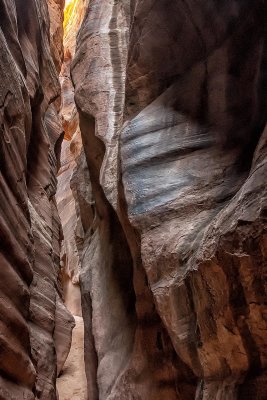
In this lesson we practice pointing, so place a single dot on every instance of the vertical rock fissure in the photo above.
(71, 382)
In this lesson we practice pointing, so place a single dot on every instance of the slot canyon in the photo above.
(133, 202)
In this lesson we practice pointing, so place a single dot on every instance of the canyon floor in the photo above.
(71, 384)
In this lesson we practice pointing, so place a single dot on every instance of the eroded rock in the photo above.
(171, 97)
(30, 229)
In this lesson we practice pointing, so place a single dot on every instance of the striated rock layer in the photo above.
(172, 103)
(32, 312)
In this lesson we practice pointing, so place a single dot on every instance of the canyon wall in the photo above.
(162, 195)
(172, 105)
(34, 323)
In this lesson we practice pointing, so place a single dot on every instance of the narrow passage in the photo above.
(71, 384)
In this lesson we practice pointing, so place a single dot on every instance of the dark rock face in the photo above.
(172, 103)
(193, 187)
(30, 230)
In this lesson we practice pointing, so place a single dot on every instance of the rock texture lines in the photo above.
(172, 103)
(162, 196)
(32, 312)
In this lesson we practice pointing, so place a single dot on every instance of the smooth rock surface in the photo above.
(171, 96)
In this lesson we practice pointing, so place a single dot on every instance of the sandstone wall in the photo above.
(172, 103)
(56, 13)
(32, 312)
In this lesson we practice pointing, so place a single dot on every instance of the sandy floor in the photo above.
(71, 384)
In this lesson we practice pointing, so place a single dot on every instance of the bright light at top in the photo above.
(69, 12)
(67, 2)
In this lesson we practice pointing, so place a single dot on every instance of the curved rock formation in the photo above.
(162, 195)
(171, 97)
(30, 229)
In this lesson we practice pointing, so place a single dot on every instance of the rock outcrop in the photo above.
(30, 230)
(172, 103)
